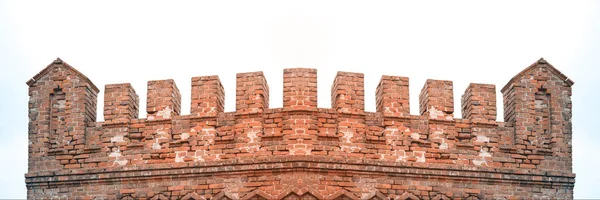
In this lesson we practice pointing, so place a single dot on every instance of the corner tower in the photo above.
(537, 103)
(61, 102)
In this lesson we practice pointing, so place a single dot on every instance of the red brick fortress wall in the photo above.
(300, 151)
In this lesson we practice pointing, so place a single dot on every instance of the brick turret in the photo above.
(62, 102)
(538, 105)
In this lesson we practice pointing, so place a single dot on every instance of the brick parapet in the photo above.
(304, 137)
(392, 96)
(437, 99)
(121, 103)
(208, 96)
(164, 100)
(300, 89)
(479, 103)
(348, 93)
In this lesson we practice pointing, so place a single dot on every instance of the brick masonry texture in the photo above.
(300, 151)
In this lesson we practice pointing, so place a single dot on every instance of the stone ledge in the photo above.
(304, 163)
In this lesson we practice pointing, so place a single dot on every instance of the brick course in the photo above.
(300, 151)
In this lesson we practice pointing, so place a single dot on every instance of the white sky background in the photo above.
(137, 41)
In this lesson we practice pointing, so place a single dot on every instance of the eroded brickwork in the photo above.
(300, 151)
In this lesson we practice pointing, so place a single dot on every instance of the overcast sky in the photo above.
(137, 41)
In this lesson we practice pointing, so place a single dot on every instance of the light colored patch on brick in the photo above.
(391, 134)
(367, 187)
(420, 155)
(482, 138)
(481, 158)
(252, 135)
(394, 137)
(185, 136)
(160, 134)
(443, 145)
(207, 134)
(211, 111)
(347, 137)
(252, 145)
(346, 144)
(387, 109)
(115, 154)
(156, 145)
(415, 136)
(165, 113)
(199, 155)
(117, 138)
(233, 186)
(401, 155)
(434, 113)
(539, 104)
(300, 148)
(350, 149)
(180, 155)
(439, 134)
(62, 103)
(119, 160)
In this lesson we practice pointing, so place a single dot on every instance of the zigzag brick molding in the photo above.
(300, 151)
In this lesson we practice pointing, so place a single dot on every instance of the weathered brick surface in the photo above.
(392, 96)
(121, 103)
(300, 151)
(479, 103)
(164, 100)
(348, 93)
(300, 89)
(437, 100)
(208, 96)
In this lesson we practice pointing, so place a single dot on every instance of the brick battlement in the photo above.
(532, 146)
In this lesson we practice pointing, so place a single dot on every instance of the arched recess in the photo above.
(305, 196)
(302, 193)
(343, 195)
(440, 196)
(472, 197)
(159, 197)
(408, 196)
(379, 196)
(192, 196)
(220, 196)
(127, 197)
(257, 195)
